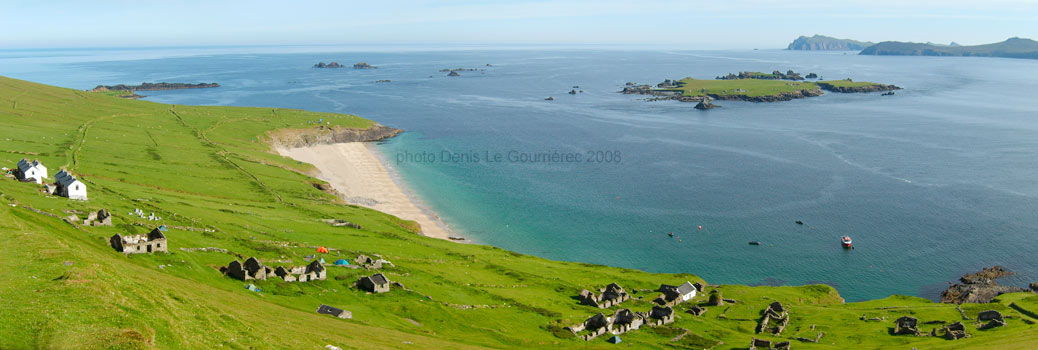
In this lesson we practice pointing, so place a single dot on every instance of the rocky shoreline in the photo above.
(853, 89)
(980, 287)
(153, 87)
(295, 138)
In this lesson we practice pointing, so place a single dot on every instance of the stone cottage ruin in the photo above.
(152, 242)
(377, 283)
(98, 218)
(774, 320)
(612, 294)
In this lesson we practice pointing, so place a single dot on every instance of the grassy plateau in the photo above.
(210, 173)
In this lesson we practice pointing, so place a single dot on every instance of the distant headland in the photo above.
(154, 87)
(1011, 48)
(826, 43)
(358, 65)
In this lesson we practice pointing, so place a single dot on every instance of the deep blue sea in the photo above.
(935, 181)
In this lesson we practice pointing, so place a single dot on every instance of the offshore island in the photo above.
(751, 87)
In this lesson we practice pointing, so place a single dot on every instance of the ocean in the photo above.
(933, 182)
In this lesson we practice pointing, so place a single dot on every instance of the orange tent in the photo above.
(322, 250)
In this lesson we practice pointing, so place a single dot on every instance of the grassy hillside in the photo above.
(1011, 48)
(209, 174)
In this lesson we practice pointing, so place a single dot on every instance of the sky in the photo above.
(721, 24)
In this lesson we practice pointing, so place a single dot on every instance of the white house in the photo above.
(31, 170)
(687, 291)
(69, 186)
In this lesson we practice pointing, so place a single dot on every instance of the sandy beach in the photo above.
(359, 175)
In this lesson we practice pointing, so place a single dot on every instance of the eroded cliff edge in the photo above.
(294, 138)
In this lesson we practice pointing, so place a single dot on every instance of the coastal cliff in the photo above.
(294, 138)
(154, 86)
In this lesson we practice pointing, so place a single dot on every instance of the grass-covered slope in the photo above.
(209, 174)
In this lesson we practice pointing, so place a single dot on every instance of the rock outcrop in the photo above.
(851, 89)
(363, 65)
(294, 138)
(979, 287)
(330, 65)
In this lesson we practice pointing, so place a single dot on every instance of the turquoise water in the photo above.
(933, 182)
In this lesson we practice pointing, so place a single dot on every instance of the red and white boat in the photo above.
(846, 241)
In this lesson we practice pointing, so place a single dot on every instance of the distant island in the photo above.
(826, 43)
(153, 87)
(363, 65)
(329, 65)
(1011, 48)
(749, 86)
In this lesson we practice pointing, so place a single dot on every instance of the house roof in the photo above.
(156, 234)
(379, 278)
(686, 288)
(64, 178)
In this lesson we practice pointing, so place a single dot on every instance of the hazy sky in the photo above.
(678, 24)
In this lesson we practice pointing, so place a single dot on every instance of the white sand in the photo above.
(359, 175)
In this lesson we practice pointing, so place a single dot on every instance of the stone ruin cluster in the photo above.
(609, 296)
(774, 320)
(908, 325)
(623, 321)
(252, 269)
(154, 241)
(368, 262)
(95, 218)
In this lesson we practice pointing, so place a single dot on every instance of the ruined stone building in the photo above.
(372, 263)
(154, 241)
(377, 283)
(99, 218)
(659, 316)
(611, 295)
(774, 320)
(625, 320)
(33, 171)
(906, 325)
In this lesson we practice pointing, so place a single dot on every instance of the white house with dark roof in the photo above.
(31, 170)
(69, 186)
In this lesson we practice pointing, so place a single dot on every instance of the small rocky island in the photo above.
(363, 65)
(749, 86)
(329, 65)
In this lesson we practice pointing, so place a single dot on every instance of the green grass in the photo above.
(739, 87)
(210, 167)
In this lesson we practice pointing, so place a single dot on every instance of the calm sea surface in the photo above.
(933, 182)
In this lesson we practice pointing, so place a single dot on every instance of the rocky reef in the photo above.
(294, 138)
(828, 86)
(363, 65)
(153, 86)
(330, 65)
(980, 287)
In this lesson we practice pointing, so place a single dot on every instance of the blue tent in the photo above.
(163, 228)
(342, 262)
(253, 288)
(322, 260)
(615, 339)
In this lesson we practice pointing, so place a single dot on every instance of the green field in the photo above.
(739, 87)
(211, 168)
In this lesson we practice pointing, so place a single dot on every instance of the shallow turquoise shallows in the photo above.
(935, 181)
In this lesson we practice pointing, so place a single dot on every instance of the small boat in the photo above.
(670, 234)
(800, 222)
(845, 241)
(754, 242)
